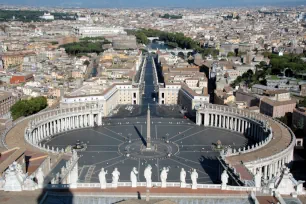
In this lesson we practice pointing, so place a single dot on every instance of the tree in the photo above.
(262, 64)
(230, 54)
(300, 124)
(302, 103)
(86, 63)
(28, 107)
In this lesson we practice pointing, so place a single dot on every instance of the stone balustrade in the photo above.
(68, 173)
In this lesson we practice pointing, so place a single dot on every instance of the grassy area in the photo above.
(273, 77)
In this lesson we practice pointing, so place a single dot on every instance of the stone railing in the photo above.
(169, 184)
(68, 173)
(250, 148)
(3, 136)
(281, 154)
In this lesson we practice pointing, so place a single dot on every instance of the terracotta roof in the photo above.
(8, 157)
(244, 172)
(267, 199)
(278, 91)
(34, 160)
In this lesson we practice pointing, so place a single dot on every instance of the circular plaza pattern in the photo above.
(254, 142)
(137, 149)
(176, 143)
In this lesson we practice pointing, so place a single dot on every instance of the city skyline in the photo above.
(157, 3)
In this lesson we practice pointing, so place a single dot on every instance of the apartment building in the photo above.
(6, 101)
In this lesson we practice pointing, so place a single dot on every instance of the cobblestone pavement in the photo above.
(194, 148)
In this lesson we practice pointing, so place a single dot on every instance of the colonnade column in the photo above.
(206, 119)
(199, 118)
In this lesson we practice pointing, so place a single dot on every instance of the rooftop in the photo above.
(4, 95)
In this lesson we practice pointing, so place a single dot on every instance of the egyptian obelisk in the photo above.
(148, 129)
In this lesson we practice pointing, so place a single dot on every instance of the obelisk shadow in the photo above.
(140, 136)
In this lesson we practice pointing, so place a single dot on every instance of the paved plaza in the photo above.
(189, 145)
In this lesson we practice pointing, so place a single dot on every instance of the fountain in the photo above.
(79, 146)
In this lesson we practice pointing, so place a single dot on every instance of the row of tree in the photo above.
(28, 15)
(28, 107)
(86, 45)
(277, 66)
(250, 78)
(171, 16)
(173, 39)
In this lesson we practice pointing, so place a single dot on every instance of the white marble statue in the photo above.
(194, 176)
(29, 184)
(102, 178)
(115, 177)
(133, 177)
(257, 179)
(74, 176)
(163, 177)
(19, 171)
(183, 178)
(12, 179)
(148, 175)
(40, 178)
(224, 179)
(286, 184)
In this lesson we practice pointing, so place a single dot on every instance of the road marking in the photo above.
(190, 135)
(180, 133)
(138, 170)
(188, 166)
(113, 132)
(108, 160)
(157, 169)
(107, 135)
(141, 129)
(195, 162)
(115, 163)
(155, 131)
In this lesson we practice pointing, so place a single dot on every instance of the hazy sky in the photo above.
(152, 3)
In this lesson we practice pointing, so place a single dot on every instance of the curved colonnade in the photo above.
(274, 140)
(59, 121)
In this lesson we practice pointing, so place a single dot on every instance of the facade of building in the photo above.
(11, 60)
(276, 108)
(299, 118)
(6, 101)
(108, 99)
(88, 31)
(124, 42)
(303, 90)
(47, 16)
(172, 94)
